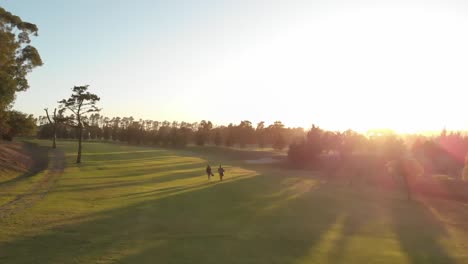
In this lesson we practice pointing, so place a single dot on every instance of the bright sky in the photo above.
(338, 64)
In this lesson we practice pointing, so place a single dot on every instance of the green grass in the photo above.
(128, 204)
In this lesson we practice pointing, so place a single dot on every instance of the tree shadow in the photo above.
(419, 232)
(191, 224)
(263, 218)
(149, 169)
(136, 163)
(185, 172)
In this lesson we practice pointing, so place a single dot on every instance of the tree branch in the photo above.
(47, 114)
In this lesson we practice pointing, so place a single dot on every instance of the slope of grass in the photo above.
(129, 204)
(20, 165)
(14, 160)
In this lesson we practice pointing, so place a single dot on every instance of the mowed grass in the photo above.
(129, 204)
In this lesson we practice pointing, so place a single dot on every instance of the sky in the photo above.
(338, 64)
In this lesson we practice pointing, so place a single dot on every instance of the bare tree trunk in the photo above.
(80, 136)
(54, 136)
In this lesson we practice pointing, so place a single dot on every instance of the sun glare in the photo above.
(382, 65)
(359, 68)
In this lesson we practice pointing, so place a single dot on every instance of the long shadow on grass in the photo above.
(134, 179)
(257, 219)
(130, 155)
(206, 223)
(138, 163)
(122, 159)
(419, 233)
(143, 170)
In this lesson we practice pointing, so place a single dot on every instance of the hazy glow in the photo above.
(339, 64)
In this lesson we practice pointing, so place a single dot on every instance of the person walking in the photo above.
(221, 173)
(209, 172)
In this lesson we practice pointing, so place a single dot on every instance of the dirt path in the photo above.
(39, 190)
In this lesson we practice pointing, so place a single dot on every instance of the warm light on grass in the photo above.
(131, 204)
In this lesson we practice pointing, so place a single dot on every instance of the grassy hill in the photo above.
(19, 161)
(14, 160)
(128, 204)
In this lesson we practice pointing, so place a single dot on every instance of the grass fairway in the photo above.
(129, 204)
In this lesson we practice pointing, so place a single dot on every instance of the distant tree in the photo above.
(279, 143)
(17, 59)
(93, 128)
(229, 140)
(115, 132)
(314, 144)
(56, 119)
(80, 103)
(164, 133)
(174, 136)
(331, 141)
(218, 139)
(203, 132)
(245, 133)
(392, 147)
(134, 134)
(453, 149)
(260, 134)
(297, 154)
(86, 124)
(18, 124)
(295, 135)
(107, 129)
(277, 130)
(307, 152)
(184, 134)
(349, 142)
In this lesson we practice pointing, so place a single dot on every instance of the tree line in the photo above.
(173, 134)
(78, 118)
(380, 157)
(440, 154)
(338, 153)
